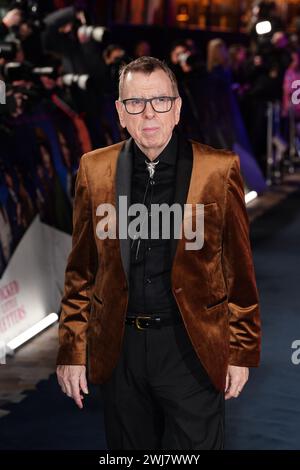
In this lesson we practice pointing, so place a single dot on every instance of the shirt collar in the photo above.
(168, 155)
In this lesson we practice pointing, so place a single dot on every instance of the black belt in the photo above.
(141, 322)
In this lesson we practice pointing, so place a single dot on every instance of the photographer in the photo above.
(64, 36)
(67, 35)
(22, 89)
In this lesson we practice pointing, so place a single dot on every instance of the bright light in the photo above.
(32, 331)
(263, 27)
(250, 196)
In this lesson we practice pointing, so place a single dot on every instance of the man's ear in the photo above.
(120, 110)
(178, 104)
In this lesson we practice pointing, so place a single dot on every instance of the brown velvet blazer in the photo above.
(214, 286)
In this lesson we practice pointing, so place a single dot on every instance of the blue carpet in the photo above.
(48, 419)
(267, 414)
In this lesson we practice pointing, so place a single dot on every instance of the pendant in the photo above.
(151, 167)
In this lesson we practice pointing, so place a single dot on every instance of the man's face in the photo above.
(150, 130)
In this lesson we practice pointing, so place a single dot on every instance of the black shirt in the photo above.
(150, 260)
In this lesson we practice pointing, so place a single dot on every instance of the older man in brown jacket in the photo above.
(169, 332)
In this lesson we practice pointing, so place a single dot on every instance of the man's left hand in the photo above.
(235, 380)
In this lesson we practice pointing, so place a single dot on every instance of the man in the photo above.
(169, 331)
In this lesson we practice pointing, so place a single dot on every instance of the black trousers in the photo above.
(159, 395)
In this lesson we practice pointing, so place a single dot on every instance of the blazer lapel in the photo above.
(123, 188)
(182, 182)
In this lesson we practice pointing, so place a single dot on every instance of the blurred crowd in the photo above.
(61, 76)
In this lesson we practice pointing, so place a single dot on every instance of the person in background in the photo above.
(142, 48)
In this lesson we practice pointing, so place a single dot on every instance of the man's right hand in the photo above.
(72, 380)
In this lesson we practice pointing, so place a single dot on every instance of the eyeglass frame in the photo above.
(149, 100)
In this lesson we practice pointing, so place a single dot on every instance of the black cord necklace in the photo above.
(151, 167)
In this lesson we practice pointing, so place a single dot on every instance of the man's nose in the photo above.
(149, 111)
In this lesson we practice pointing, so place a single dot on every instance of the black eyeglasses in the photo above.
(160, 104)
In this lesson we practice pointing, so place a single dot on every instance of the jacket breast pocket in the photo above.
(203, 227)
(212, 226)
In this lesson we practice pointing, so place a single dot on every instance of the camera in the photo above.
(48, 71)
(80, 81)
(92, 32)
(15, 71)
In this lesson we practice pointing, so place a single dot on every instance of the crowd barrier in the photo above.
(283, 143)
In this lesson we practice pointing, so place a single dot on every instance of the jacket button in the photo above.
(177, 290)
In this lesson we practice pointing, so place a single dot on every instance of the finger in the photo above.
(61, 384)
(78, 400)
(241, 386)
(227, 382)
(238, 390)
(76, 392)
(65, 385)
(83, 383)
(234, 390)
(68, 389)
(230, 394)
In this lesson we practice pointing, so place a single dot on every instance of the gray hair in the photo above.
(146, 65)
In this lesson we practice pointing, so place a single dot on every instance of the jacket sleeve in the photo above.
(243, 302)
(79, 277)
(52, 39)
